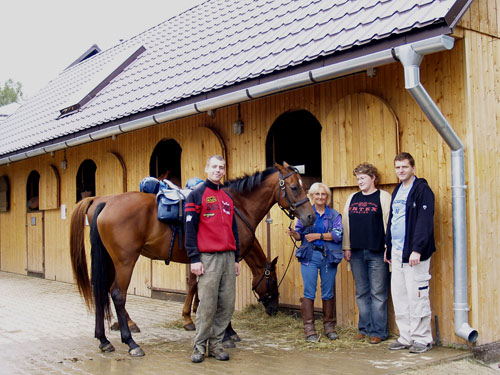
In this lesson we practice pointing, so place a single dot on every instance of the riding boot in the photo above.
(328, 323)
(307, 308)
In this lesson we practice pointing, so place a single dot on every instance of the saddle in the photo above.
(169, 197)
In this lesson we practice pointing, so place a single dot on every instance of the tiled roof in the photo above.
(213, 45)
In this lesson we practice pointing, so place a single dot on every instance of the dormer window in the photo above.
(100, 80)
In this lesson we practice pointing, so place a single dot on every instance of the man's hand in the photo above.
(237, 268)
(414, 258)
(197, 268)
(385, 257)
(347, 255)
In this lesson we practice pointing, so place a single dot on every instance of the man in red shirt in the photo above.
(213, 247)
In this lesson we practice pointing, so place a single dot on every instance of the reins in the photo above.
(293, 206)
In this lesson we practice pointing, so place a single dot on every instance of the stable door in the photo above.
(35, 244)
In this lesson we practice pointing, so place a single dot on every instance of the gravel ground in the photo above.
(464, 366)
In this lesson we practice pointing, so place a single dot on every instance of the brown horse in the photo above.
(125, 226)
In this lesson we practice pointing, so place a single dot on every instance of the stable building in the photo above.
(323, 85)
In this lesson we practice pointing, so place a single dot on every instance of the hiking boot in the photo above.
(360, 336)
(396, 345)
(197, 356)
(375, 340)
(420, 348)
(219, 354)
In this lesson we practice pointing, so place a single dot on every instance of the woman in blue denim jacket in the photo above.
(320, 251)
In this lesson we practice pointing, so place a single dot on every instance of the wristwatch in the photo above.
(321, 236)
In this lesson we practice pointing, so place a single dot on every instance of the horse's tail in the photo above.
(102, 267)
(77, 250)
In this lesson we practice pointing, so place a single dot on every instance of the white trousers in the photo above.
(410, 297)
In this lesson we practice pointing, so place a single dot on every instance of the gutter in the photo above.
(351, 66)
(410, 55)
(411, 58)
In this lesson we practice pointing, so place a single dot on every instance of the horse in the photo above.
(125, 226)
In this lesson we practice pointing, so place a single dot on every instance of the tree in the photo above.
(11, 92)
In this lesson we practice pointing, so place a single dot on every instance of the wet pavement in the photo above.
(45, 328)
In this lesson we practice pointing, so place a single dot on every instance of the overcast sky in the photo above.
(40, 38)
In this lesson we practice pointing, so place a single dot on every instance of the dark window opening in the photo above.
(32, 191)
(4, 194)
(165, 162)
(85, 180)
(295, 137)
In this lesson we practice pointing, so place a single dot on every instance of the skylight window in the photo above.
(100, 80)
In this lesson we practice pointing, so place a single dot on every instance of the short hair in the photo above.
(314, 189)
(367, 168)
(217, 157)
(405, 156)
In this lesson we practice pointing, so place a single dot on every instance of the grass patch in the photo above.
(284, 330)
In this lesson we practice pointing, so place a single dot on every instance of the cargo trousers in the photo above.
(216, 290)
(410, 297)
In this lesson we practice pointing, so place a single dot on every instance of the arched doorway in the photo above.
(32, 191)
(295, 137)
(35, 257)
(165, 162)
(85, 180)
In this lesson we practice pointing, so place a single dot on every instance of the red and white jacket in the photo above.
(210, 224)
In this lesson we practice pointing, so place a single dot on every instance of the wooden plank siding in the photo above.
(482, 122)
(464, 82)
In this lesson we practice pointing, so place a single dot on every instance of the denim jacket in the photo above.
(332, 220)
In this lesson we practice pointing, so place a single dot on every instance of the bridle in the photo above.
(293, 206)
(266, 298)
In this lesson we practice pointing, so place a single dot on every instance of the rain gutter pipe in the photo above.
(411, 59)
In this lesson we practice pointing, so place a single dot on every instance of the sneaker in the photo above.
(396, 345)
(219, 354)
(420, 348)
(197, 356)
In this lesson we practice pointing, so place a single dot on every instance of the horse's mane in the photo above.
(248, 183)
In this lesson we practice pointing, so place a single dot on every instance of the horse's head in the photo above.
(265, 284)
(292, 197)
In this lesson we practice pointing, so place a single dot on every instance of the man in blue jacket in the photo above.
(410, 244)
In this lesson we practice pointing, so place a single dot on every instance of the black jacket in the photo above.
(419, 222)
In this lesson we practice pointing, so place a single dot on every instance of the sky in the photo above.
(39, 39)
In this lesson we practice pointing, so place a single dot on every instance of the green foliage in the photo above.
(11, 92)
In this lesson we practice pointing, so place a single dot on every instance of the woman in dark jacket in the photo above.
(320, 252)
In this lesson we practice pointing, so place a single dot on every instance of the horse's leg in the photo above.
(186, 309)
(119, 296)
(134, 328)
(230, 337)
(105, 345)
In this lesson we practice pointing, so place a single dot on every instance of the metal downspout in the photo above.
(411, 59)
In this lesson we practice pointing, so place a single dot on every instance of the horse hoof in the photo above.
(134, 328)
(136, 352)
(190, 327)
(235, 338)
(115, 326)
(107, 348)
(228, 344)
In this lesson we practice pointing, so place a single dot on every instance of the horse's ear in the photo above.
(273, 263)
(285, 164)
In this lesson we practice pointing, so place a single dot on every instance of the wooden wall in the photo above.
(482, 136)
(483, 16)
(452, 78)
